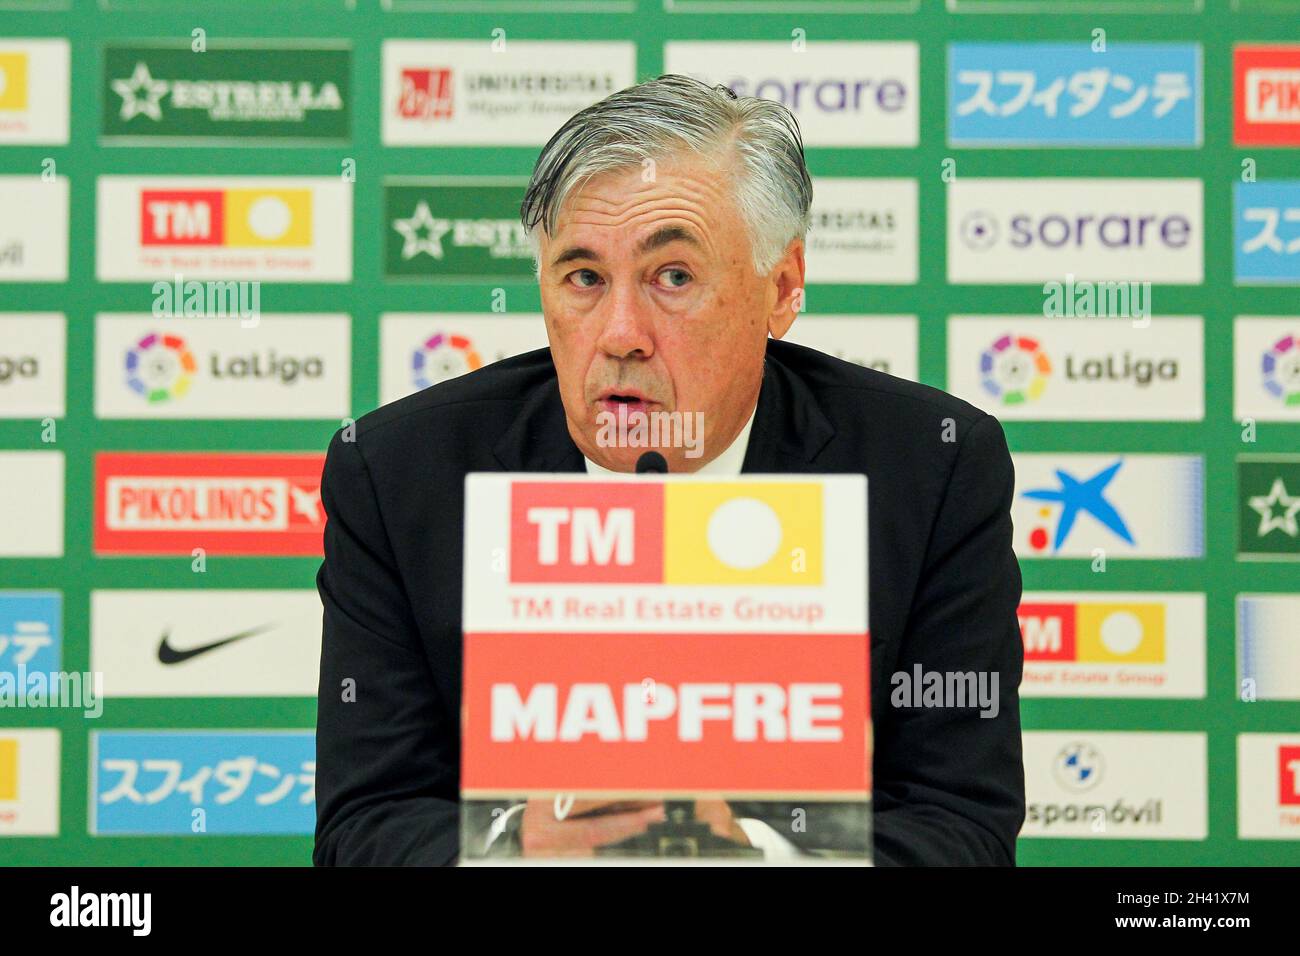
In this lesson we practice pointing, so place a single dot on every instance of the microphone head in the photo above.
(651, 463)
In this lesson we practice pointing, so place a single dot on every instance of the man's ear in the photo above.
(787, 278)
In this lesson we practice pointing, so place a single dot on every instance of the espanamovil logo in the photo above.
(231, 504)
(678, 533)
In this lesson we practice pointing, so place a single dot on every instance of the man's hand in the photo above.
(587, 825)
(717, 814)
(592, 823)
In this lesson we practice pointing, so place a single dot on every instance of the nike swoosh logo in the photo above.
(170, 655)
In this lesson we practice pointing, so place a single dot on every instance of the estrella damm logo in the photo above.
(237, 218)
(685, 533)
(1093, 632)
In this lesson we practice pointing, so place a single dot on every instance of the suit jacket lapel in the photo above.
(789, 430)
(539, 438)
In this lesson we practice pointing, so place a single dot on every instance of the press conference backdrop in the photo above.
(1082, 216)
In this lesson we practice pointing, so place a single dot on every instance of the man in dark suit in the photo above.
(669, 222)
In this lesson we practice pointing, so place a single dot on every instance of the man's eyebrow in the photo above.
(660, 237)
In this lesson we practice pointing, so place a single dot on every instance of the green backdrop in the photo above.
(364, 24)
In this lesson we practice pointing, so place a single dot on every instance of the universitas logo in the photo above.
(426, 94)
(1015, 369)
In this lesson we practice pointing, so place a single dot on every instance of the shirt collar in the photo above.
(728, 463)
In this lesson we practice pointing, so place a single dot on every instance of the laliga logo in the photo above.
(1015, 369)
(678, 533)
(1281, 368)
(160, 367)
(443, 356)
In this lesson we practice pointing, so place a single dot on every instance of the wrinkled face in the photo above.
(652, 305)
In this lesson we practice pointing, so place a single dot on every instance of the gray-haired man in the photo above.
(669, 222)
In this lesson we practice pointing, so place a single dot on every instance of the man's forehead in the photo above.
(568, 250)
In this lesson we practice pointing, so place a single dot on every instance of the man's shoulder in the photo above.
(489, 398)
(845, 389)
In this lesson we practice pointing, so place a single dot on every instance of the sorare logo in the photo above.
(1043, 228)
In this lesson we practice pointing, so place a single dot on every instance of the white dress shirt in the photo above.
(728, 463)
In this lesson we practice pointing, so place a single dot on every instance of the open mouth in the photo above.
(624, 402)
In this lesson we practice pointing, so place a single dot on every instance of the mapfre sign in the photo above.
(666, 635)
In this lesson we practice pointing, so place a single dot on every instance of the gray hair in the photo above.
(671, 115)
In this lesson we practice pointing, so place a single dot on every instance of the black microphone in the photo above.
(652, 463)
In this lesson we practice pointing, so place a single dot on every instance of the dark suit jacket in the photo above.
(944, 588)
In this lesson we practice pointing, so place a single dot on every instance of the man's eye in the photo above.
(582, 275)
(676, 277)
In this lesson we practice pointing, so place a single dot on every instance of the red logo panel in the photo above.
(569, 533)
(228, 504)
(765, 715)
(1266, 95)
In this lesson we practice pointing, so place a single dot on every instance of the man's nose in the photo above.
(627, 329)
